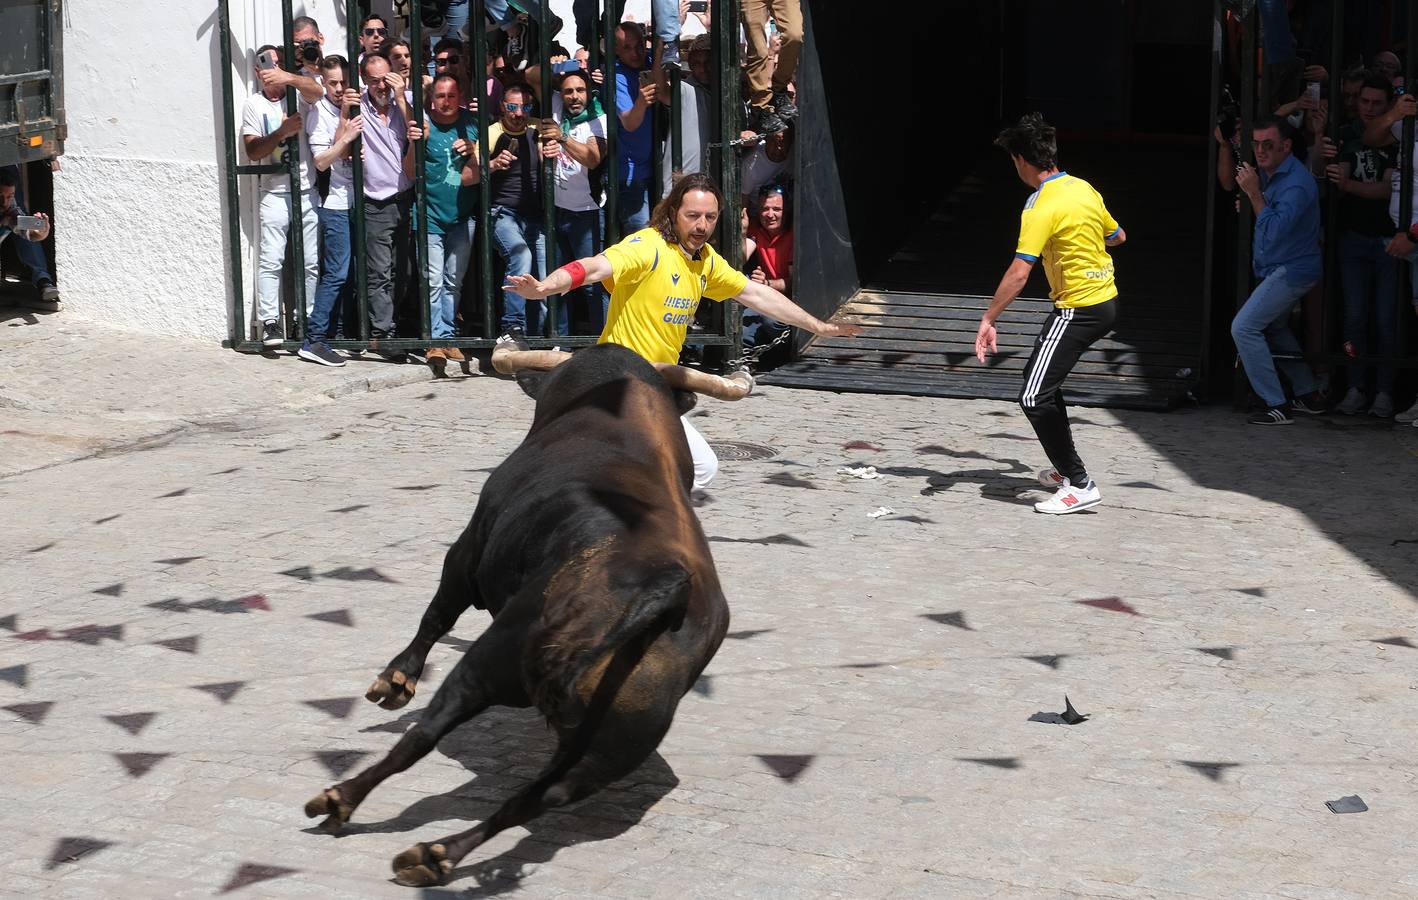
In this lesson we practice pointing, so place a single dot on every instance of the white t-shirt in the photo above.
(322, 122)
(1394, 185)
(573, 181)
(757, 169)
(261, 116)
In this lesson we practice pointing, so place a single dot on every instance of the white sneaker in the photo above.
(1383, 405)
(1050, 478)
(1408, 415)
(1070, 499)
(1353, 403)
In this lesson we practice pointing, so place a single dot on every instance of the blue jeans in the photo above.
(1262, 328)
(335, 271)
(519, 241)
(633, 206)
(758, 329)
(1370, 280)
(448, 257)
(578, 235)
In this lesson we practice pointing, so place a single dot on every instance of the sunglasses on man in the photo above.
(371, 32)
(450, 60)
(1267, 144)
(517, 107)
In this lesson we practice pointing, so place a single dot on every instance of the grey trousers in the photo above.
(386, 244)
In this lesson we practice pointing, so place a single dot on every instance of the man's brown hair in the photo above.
(663, 217)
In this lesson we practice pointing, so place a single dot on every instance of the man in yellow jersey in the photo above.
(1067, 226)
(658, 275)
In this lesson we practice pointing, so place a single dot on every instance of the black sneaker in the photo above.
(320, 353)
(271, 334)
(1310, 404)
(516, 337)
(1275, 415)
(763, 120)
(784, 106)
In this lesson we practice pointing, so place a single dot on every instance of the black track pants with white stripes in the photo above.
(1062, 340)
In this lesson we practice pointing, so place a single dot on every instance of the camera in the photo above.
(309, 51)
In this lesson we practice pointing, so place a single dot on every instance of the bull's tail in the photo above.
(658, 602)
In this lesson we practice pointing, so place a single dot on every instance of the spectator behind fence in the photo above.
(1286, 257)
(373, 35)
(770, 232)
(264, 128)
(332, 135)
(634, 92)
(29, 246)
(1386, 131)
(309, 46)
(450, 57)
(770, 162)
(515, 201)
(401, 60)
(575, 139)
(451, 174)
(770, 107)
(1363, 176)
(387, 194)
(695, 104)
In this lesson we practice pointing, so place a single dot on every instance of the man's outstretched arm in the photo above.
(765, 300)
(566, 278)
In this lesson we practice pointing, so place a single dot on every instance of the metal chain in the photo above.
(752, 355)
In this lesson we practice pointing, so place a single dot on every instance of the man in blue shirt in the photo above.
(633, 101)
(1286, 257)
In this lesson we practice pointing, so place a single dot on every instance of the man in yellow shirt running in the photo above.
(658, 275)
(1067, 226)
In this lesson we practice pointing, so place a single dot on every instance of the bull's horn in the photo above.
(734, 387)
(508, 360)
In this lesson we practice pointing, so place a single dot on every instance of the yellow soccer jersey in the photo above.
(1065, 223)
(655, 290)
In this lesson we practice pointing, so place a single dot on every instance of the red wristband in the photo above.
(577, 273)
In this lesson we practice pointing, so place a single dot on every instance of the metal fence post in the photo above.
(724, 24)
(553, 303)
(1245, 220)
(1405, 181)
(295, 241)
(608, 88)
(1218, 47)
(354, 14)
(477, 36)
(233, 192)
(420, 182)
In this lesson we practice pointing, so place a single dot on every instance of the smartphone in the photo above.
(265, 60)
(1312, 90)
(567, 67)
(699, 6)
(646, 77)
(29, 223)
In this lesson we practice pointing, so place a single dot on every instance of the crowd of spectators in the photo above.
(366, 105)
(1298, 164)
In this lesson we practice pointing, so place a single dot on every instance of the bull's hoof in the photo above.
(422, 865)
(330, 803)
(392, 689)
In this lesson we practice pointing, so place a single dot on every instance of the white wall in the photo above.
(140, 230)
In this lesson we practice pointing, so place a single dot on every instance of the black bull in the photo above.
(606, 607)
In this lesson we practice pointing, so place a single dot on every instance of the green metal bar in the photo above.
(1405, 184)
(233, 191)
(724, 22)
(420, 181)
(295, 240)
(1218, 46)
(1245, 220)
(358, 254)
(478, 37)
(553, 303)
(676, 125)
(612, 182)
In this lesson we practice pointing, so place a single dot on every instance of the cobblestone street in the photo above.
(207, 557)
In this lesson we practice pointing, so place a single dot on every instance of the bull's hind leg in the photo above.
(615, 752)
(478, 681)
(395, 686)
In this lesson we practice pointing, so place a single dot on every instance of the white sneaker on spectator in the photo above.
(1383, 405)
(1409, 415)
(1050, 478)
(1070, 499)
(1354, 402)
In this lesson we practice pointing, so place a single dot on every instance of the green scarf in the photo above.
(592, 111)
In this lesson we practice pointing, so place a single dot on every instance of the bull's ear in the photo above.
(531, 383)
(685, 400)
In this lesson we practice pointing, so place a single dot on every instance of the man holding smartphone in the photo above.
(515, 205)
(451, 175)
(635, 90)
(30, 231)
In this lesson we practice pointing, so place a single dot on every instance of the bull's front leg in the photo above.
(395, 686)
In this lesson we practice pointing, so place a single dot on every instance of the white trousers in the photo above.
(271, 253)
(706, 464)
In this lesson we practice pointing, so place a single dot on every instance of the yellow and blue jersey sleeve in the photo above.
(721, 281)
(1036, 227)
(633, 258)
